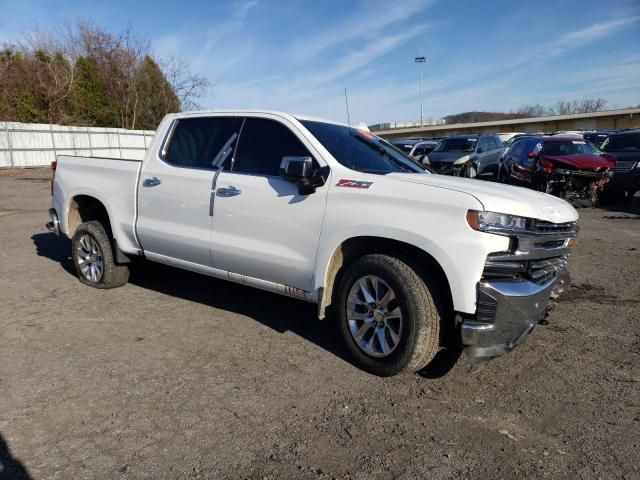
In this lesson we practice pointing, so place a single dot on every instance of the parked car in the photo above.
(467, 155)
(505, 137)
(626, 174)
(406, 144)
(327, 214)
(423, 148)
(597, 138)
(565, 166)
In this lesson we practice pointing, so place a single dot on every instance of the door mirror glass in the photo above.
(296, 168)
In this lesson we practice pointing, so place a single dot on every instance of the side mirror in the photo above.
(301, 171)
(532, 155)
(296, 168)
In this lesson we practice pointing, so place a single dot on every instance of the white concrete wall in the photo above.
(36, 144)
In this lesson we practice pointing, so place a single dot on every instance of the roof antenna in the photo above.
(346, 102)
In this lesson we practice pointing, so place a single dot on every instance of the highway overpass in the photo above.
(606, 120)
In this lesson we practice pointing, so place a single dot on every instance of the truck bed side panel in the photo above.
(111, 181)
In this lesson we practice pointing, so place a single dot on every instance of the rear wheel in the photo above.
(93, 257)
(387, 316)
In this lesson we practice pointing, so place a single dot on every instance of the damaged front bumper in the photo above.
(515, 290)
(514, 307)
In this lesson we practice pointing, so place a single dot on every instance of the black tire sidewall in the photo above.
(400, 358)
(111, 272)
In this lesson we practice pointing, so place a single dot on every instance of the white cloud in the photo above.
(241, 8)
(367, 22)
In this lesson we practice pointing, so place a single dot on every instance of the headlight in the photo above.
(493, 222)
(462, 160)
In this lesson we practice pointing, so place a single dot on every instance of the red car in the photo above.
(566, 166)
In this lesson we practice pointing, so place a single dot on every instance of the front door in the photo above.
(262, 226)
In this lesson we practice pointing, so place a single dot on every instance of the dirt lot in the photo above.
(177, 375)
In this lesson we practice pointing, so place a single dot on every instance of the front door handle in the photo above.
(228, 192)
(151, 182)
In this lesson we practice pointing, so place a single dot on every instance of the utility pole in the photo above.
(421, 59)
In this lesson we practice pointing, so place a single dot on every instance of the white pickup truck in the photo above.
(330, 214)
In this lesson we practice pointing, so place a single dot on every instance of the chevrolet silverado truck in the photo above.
(329, 214)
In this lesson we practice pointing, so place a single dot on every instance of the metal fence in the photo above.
(36, 145)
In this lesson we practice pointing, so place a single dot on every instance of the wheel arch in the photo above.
(355, 247)
(84, 208)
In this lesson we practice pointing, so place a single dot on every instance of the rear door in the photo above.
(175, 191)
(262, 227)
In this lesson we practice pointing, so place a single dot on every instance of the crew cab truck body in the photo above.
(331, 215)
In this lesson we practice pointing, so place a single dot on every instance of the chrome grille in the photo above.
(543, 227)
(624, 166)
(542, 270)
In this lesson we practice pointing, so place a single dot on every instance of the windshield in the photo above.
(360, 150)
(509, 142)
(570, 147)
(622, 143)
(457, 145)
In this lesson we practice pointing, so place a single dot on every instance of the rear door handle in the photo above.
(151, 182)
(228, 192)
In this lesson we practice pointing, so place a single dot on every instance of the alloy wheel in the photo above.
(374, 316)
(89, 259)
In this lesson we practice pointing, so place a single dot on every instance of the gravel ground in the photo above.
(177, 375)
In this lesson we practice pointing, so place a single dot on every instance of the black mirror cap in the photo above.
(296, 168)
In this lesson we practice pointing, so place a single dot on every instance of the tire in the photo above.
(501, 175)
(416, 328)
(469, 171)
(92, 253)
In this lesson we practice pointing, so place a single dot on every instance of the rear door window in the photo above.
(196, 142)
(262, 145)
(518, 147)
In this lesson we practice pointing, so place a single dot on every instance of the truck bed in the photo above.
(112, 181)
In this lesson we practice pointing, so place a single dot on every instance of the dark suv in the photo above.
(466, 155)
(626, 178)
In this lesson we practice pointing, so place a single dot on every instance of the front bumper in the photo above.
(515, 289)
(446, 168)
(514, 306)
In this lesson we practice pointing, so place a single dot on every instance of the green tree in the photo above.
(91, 104)
(156, 97)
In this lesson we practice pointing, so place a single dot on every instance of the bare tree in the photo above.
(587, 105)
(187, 86)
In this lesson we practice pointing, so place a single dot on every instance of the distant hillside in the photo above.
(472, 117)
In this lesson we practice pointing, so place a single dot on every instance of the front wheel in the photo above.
(387, 316)
(93, 257)
(469, 171)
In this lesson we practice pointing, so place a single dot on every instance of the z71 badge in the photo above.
(353, 183)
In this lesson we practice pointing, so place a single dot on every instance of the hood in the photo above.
(496, 197)
(582, 161)
(448, 157)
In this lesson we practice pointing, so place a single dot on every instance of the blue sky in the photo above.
(298, 56)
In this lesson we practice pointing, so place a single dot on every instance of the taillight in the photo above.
(54, 165)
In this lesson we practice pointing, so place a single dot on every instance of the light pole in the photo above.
(421, 59)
